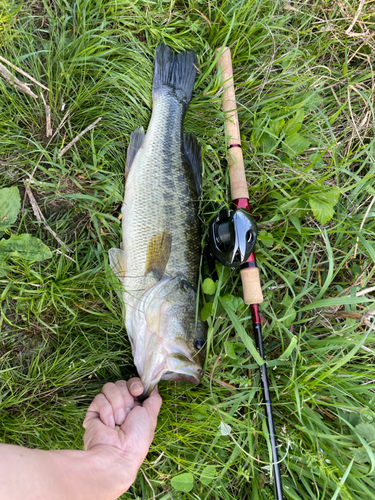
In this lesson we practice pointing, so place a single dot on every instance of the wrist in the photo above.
(114, 466)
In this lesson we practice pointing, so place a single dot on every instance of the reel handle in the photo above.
(239, 192)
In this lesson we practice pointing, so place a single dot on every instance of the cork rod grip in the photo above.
(252, 291)
(249, 276)
(238, 185)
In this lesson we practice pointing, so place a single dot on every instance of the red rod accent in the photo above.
(255, 313)
(242, 203)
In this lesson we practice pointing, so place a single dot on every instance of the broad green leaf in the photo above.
(26, 246)
(239, 347)
(276, 126)
(234, 302)
(287, 301)
(265, 238)
(183, 482)
(229, 350)
(10, 204)
(206, 311)
(209, 286)
(294, 124)
(4, 269)
(367, 431)
(268, 143)
(360, 455)
(289, 317)
(296, 223)
(330, 195)
(295, 144)
(356, 269)
(241, 332)
(322, 203)
(322, 210)
(352, 418)
(208, 475)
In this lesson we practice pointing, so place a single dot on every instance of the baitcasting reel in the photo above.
(232, 236)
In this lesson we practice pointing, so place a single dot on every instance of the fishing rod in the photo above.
(232, 236)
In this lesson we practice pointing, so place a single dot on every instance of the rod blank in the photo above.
(249, 275)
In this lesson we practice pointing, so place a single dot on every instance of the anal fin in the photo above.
(117, 261)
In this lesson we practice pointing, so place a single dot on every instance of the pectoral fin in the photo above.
(158, 253)
(117, 261)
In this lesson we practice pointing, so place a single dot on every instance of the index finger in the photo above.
(100, 407)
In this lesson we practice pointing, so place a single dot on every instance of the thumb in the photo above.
(139, 427)
(152, 405)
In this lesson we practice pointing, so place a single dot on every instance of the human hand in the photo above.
(117, 419)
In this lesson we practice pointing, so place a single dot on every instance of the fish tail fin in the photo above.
(174, 74)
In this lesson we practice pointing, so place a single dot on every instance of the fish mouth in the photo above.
(194, 378)
(162, 336)
(181, 368)
(176, 367)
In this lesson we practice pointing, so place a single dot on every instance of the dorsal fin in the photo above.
(158, 253)
(136, 139)
(193, 153)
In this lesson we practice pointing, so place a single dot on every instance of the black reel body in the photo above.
(232, 236)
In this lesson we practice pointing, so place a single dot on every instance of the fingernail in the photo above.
(136, 386)
(111, 422)
(128, 410)
(120, 416)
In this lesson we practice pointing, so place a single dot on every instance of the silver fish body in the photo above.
(159, 262)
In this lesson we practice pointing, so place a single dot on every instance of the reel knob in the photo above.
(232, 236)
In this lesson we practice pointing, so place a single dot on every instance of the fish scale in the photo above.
(160, 195)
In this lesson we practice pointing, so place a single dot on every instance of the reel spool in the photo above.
(232, 236)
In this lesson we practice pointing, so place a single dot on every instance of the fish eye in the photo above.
(199, 343)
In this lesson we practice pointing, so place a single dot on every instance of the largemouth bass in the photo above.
(158, 265)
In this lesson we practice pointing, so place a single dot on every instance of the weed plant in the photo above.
(305, 89)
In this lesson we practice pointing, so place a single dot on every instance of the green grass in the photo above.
(62, 334)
